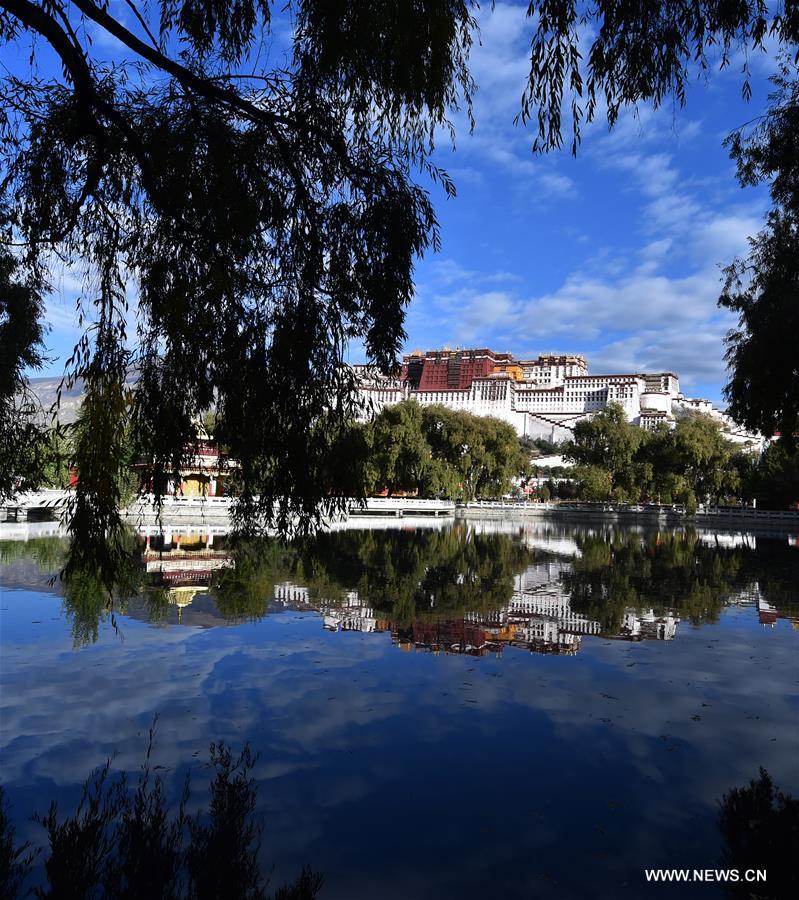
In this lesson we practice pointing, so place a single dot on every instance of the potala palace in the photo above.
(543, 397)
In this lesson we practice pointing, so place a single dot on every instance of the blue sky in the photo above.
(614, 254)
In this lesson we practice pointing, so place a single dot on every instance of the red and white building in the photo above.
(543, 397)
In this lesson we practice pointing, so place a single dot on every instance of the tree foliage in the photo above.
(265, 215)
(760, 826)
(134, 843)
(605, 441)
(677, 572)
(438, 452)
(774, 480)
(610, 54)
(619, 461)
(22, 435)
(15, 858)
(763, 288)
(414, 575)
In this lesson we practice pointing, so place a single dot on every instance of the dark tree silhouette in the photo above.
(22, 437)
(760, 827)
(15, 859)
(763, 289)
(128, 844)
(267, 214)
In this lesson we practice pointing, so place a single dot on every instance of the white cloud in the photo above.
(634, 321)
(500, 65)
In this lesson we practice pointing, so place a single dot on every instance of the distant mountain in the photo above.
(46, 390)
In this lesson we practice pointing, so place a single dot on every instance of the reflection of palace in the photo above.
(767, 614)
(182, 557)
(182, 561)
(538, 618)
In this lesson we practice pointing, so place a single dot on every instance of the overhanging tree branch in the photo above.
(75, 64)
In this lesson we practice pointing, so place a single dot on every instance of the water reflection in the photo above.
(472, 588)
(616, 757)
(619, 585)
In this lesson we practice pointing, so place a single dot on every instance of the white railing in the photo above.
(38, 499)
(747, 512)
(507, 504)
(54, 498)
(183, 530)
(185, 502)
(394, 503)
(788, 515)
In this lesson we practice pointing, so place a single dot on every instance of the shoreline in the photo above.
(763, 519)
(220, 524)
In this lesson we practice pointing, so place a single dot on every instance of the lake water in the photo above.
(478, 709)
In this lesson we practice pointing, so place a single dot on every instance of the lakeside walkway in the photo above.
(621, 512)
(50, 505)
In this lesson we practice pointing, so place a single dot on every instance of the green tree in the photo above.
(702, 455)
(506, 459)
(443, 431)
(608, 442)
(484, 451)
(401, 455)
(596, 483)
(58, 452)
(763, 389)
(746, 466)
(776, 480)
(441, 452)
(606, 439)
(346, 460)
(23, 438)
(487, 454)
(657, 451)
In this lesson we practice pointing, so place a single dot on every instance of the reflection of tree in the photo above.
(156, 602)
(760, 827)
(88, 600)
(671, 572)
(404, 575)
(776, 572)
(243, 590)
(407, 575)
(48, 552)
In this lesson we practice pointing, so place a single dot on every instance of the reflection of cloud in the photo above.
(539, 761)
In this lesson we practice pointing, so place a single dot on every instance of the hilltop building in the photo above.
(543, 397)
